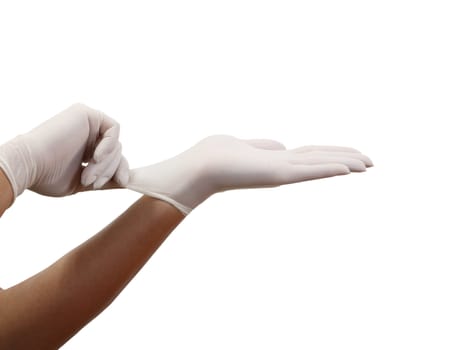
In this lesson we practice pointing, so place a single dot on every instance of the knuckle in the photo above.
(80, 110)
(78, 106)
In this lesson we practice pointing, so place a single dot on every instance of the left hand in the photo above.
(75, 150)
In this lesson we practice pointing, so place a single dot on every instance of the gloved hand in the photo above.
(74, 149)
(219, 163)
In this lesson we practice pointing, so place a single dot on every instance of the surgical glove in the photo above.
(76, 148)
(219, 163)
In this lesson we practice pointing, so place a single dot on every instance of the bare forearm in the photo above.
(6, 193)
(46, 310)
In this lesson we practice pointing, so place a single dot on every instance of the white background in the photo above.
(378, 260)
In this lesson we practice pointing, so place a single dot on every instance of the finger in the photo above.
(353, 164)
(94, 169)
(104, 133)
(299, 173)
(266, 144)
(367, 161)
(111, 185)
(88, 176)
(108, 172)
(109, 131)
(122, 175)
(305, 149)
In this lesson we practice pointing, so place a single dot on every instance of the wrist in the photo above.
(6, 193)
(199, 185)
(182, 187)
(14, 159)
(189, 186)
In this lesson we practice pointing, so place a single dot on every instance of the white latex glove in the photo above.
(219, 163)
(74, 149)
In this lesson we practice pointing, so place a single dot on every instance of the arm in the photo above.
(50, 307)
(76, 150)
(46, 310)
(6, 193)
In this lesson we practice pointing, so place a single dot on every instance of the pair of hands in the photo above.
(79, 149)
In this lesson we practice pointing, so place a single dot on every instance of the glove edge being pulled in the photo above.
(182, 208)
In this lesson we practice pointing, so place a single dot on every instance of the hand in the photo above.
(77, 148)
(219, 163)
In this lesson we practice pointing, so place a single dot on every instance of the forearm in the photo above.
(46, 310)
(6, 193)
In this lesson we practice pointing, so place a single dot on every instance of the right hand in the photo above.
(219, 163)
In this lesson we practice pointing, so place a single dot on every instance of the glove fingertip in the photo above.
(122, 178)
(344, 170)
(100, 182)
(87, 180)
(87, 176)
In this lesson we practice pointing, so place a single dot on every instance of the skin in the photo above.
(6, 193)
(46, 310)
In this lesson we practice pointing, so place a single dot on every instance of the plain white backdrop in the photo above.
(378, 260)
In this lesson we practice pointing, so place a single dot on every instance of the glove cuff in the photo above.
(14, 160)
(182, 208)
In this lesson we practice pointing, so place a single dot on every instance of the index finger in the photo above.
(109, 131)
